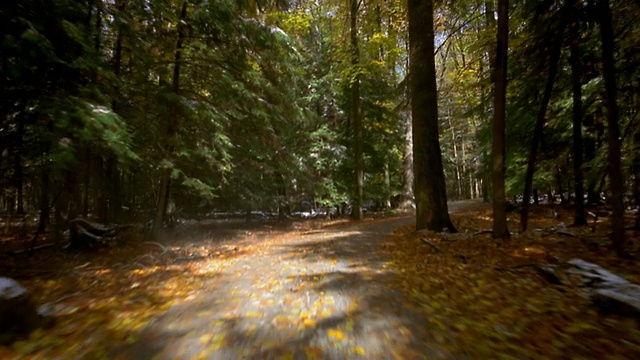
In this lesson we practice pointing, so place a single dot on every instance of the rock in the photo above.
(611, 293)
(548, 272)
(47, 315)
(18, 314)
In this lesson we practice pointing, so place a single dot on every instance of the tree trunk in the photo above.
(407, 165)
(614, 155)
(579, 217)
(112, 172)
(456, 159)
(636, 174)
(172, 129)
(490, 23)
(387, 185)
(430, 191)
(539, 127)
(44, 201)
(86, 182)
(589, 154)
(18, 170)
(500, 229)
(559, 185)
(487, 94)
(115, 188)
(356, 116)
(101, 189)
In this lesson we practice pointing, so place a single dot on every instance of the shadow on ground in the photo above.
(321, 294)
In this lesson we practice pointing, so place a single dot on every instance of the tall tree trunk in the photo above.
(387, 184)
(86, 182)
(406, 203)
(172, 129)
(579, 217)
(356, 115)
(488, 94)
(430, 192)
(559, 185)
(18, 170)
(44, 199)
(98, 30)
(456, 159)
(500, 229)
(490, 23)
(542, 111)
(589, 154)
(101, 185)
(112, 171)
(614, 156)
(636, 174)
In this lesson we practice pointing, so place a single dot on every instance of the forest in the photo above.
(192, 135)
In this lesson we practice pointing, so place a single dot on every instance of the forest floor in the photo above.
(328, 289)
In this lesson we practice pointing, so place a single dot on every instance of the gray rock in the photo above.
(610, 292)
(18, 314)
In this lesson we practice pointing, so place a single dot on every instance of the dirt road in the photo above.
(325, 294)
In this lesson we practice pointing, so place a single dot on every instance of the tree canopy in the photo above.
(122, 109)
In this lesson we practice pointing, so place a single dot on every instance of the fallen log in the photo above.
(83, 233)
(610, 292)
(431, 245)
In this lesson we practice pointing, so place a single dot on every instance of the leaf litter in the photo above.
(330, 290)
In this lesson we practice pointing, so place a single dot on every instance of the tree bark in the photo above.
(500, 229)
(407, 202)
(172, 129)
(589, 154)
(86, 182)
(539, 127)
(579, 217)
(18, 170)
(636, 176)
(387, 185)
(487, 94)
(456, 159)
(430, 192)
(112, 171)
(614, 156)
(356, 115)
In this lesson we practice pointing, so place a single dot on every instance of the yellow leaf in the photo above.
(337, 334)
(309, 322)
(205, 338)
(358, 350)
(460, 326)
(439, 338)
(329, 300)
(215, 346)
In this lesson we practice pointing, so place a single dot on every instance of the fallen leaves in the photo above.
(476, 309)
(263, 301)
(335, 334)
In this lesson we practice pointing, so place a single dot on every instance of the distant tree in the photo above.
(172, 124)
(614, 156)
(500, 229)
(556, 40)
(356, 114)
(576, 81)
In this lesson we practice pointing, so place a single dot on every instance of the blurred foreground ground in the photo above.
(329, 290)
